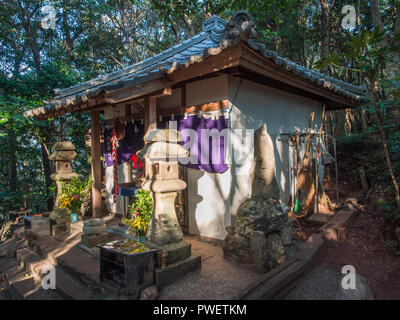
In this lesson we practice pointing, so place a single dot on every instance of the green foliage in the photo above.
(73, 194)
(140, 213)
(354, 142)
(365, 52)
(394, 145)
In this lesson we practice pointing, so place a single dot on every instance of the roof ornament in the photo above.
(240, 27)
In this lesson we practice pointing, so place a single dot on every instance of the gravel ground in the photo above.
(325, 284)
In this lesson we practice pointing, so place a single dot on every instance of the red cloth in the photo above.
(135, 163)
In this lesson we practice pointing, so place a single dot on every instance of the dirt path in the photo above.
(365, 248)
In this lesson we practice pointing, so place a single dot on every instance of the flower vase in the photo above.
(74, 217)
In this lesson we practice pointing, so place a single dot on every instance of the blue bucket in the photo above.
(74, 217)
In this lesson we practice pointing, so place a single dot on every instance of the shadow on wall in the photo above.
(194, 198)
(209, 203)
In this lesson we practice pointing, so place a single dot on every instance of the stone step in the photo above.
(69, 289)
(24, 287)
(31, 262)
(30, 265)
(7, 264)
(335, 229)
(44, 246)
(75, 268)
(80, 266)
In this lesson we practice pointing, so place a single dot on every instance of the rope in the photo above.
(233, 102)
(114, 142)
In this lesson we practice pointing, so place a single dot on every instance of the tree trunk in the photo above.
(325, 31)
(374, 92)
(392, 64)
(396, 114)
(363, 120)
(12, 164)
(375, 15)
(348, 124)
(46, 171)
(339, 122)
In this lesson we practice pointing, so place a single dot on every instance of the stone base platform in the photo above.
(58, 229)
(180, 261)
(75, 227)
(175, 271)
(93, 240)
(176, 251)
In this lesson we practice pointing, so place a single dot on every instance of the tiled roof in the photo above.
(211, 41)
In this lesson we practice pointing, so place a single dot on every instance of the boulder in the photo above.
(287, 235)
(361, 292)
(236, 247)
(259, 251)
(150, 293)
(275, 249)
(258, 215)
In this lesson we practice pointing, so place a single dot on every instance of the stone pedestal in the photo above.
(40, 227)
(164, 228)
(93, 240)
(94, 232)
(174, 258)
(58, 221)
(74, 228)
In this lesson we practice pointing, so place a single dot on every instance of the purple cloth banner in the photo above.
(128, 146)
(207, 145)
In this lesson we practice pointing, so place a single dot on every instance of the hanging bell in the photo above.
(119, 129)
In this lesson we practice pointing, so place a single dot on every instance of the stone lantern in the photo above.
(62, 154)
(161, 153)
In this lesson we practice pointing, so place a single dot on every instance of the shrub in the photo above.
(73, 194)
(140, 213)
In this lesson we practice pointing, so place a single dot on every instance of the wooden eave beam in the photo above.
(226, 59)
(254, 62)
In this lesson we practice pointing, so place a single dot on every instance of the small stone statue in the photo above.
(262, 229)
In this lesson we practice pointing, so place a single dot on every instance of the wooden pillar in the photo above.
(150, 122)
(96, 165)
(150, 113)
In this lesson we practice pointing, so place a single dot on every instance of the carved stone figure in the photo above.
(262, 229)
(264, 181)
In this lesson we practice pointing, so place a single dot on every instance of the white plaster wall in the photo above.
(172, 101)
(207, 90)
(208, 193)
(283, 113)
